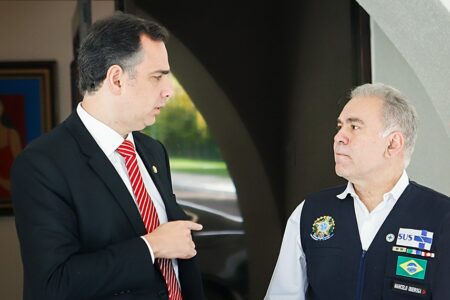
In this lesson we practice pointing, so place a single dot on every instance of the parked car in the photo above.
(221, 252)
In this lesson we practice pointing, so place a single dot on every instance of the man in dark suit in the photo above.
(95, 219)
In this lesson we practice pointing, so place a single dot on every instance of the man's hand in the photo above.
(173, 240)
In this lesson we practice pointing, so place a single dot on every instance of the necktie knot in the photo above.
(126, 149)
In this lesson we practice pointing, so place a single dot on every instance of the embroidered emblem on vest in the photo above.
(414, 238)
(323, 228)
(411, 267)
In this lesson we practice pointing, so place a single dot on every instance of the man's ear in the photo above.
(114, 79)
(395, 143)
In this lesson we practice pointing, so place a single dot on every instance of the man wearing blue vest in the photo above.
(379, 237)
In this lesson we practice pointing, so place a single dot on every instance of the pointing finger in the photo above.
(193, 226)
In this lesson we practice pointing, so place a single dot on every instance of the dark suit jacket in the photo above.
(78, 225)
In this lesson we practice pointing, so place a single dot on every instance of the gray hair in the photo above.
(398, 113)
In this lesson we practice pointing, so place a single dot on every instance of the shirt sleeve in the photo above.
(289, 280)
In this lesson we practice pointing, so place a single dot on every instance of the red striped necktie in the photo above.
(148, 214)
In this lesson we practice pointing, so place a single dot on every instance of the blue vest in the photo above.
(338, 268)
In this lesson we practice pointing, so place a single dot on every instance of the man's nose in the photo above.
(167, 92)
(341, 137)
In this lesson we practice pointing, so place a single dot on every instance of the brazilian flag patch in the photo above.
(411, 267)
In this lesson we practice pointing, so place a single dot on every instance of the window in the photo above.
(207, 194)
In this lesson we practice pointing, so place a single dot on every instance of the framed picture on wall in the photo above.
(27, 110)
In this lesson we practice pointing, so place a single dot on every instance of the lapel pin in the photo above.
(390, 238)
(154, 169)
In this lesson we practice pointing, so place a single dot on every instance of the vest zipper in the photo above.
(361, 271)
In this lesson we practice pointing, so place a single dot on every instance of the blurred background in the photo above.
(259, 85)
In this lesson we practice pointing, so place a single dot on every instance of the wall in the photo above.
(431, 160)
(411, 51)
(420, 31)
(324, 74)
(36, 30)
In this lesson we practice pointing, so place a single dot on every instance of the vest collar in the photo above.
(395, 193)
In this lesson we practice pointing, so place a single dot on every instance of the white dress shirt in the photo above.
(289, 280)
(109, 140)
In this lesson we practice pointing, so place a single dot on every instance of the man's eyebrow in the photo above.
(164, 72)
(355, 120)
(351, 120)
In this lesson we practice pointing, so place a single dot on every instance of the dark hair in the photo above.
(113, 41)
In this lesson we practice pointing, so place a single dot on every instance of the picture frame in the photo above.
(27, 110)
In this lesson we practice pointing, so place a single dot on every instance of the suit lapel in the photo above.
(105, 170)
(150, 161)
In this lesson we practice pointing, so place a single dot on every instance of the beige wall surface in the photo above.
(40, 30)
(36, 30)
(411, 51)
(431, 160)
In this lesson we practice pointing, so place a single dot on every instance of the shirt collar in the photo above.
(395, 193)
(107, 139)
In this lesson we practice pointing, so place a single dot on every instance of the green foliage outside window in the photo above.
(182, 129)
